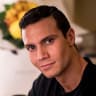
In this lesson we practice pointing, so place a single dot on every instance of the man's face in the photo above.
(48, 49)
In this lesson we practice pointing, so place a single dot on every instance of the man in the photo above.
(50, 41)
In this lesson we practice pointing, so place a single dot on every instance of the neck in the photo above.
(70, 79)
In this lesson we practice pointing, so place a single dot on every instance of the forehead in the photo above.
(39, 30)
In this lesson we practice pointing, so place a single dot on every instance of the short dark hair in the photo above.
(36, 14)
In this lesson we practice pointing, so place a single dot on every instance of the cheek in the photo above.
(32, 58)
(57, 50)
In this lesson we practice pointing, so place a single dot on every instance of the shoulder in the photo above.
(90, 73)
(91, 66)
(89, 84)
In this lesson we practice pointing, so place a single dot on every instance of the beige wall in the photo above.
(82, 12)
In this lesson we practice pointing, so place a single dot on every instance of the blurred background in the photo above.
(16, 71)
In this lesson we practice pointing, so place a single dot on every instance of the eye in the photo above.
(49, 40)
(30, 47)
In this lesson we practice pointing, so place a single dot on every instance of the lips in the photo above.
(47, 66)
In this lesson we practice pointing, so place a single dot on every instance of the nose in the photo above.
(42, 53)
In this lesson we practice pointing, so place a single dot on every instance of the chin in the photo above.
(49, 75)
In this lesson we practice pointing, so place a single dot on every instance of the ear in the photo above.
(71, 37)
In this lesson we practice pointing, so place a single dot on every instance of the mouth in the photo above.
(47, 66)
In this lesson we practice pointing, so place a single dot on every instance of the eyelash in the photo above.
(49, 40)
(30, 48)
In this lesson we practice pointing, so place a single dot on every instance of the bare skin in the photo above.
(53, 54)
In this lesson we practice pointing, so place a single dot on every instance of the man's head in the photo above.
(49, 40)
(41, 12)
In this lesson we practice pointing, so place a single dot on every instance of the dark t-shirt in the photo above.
(43, 86)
